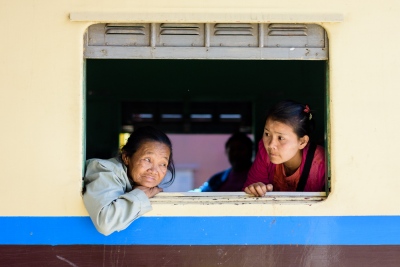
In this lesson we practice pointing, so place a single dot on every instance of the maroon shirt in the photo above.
(263, 169)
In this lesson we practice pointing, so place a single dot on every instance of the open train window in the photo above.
(199, 82)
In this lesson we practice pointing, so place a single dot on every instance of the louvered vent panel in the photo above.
(179, 29)
(211, 40)
(287, 30)
(180, 34)
(234, 35)
(233, 29)
(119, 34)
(134, 29)
(294, 35)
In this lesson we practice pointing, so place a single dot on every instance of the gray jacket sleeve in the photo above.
(109, 198)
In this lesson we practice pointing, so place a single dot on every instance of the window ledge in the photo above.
(237, 198)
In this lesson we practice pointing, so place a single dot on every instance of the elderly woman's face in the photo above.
(148, 166)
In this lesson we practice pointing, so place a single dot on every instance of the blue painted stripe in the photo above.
(268, 230)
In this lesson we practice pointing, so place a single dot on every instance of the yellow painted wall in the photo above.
(41, 99)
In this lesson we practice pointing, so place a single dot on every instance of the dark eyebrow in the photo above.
(276, 132)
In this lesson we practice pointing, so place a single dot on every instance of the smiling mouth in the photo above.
(149, 178)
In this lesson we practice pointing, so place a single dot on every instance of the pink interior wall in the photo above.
(205, 152)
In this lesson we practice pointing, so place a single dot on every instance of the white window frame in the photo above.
(276, 41)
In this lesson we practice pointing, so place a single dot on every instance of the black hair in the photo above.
(295, 114)
(241, 137)
(144, 134)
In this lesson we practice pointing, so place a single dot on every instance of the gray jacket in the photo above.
(109, 198)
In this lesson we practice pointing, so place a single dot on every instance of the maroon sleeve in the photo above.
(260, 170)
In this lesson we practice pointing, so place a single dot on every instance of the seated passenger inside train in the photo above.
(239, 149)
(117, 191)
(288, 158)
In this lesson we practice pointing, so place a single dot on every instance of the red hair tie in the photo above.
(308, 111)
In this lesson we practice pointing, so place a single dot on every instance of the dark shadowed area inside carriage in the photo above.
(169, 94)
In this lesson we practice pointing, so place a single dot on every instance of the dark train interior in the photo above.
(195, 96)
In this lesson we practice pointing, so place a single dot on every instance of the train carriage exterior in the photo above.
(47, 66)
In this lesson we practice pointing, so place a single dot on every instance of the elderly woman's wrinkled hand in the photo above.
(258, 189)
(149, 191)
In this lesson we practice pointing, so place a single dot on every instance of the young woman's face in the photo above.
(281, 142)
(148, 166)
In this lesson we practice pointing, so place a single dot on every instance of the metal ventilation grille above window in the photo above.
(134, 29)
(287, 30)
(206, 41)
(234, 35)
(233, 29)
(180, 34)
(121, 34)
(294, 35)
(179, 29)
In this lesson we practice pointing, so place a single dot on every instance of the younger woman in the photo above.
(117, 190)
(287, 160)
